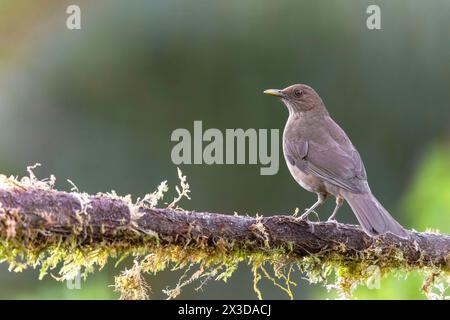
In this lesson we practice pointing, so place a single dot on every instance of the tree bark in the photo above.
(41, 214)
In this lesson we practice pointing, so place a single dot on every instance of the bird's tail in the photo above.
(372, 216)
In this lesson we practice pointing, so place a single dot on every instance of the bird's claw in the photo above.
(302, 218)
(305, 216)
(333, 221)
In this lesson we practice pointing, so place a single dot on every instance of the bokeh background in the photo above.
(98, 105)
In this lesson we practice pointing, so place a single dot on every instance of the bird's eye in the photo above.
(298, 93)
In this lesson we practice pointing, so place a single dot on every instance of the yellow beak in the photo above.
(274, 92)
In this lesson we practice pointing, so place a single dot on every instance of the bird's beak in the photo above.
(274, 92)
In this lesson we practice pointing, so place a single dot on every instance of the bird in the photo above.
(323, 160)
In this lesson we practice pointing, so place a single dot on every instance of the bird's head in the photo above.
(299, 98)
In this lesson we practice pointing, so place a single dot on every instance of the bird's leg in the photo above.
(339, 202)
(320, 199)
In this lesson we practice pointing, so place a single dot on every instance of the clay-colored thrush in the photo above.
(322, 159)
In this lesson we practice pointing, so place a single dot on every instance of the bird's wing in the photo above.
(330, 156)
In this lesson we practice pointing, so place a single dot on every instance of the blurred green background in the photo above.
(98, 105)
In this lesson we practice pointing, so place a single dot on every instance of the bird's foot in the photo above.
(332, 218)
(302, 218)
(333, 221)
(305, 216)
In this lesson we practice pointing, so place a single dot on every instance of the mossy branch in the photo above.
(35, 219)
(37, 216)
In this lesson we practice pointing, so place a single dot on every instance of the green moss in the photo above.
(66, 256)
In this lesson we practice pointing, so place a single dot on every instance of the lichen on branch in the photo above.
(44, 228)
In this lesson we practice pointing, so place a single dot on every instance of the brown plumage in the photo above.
(323, 160)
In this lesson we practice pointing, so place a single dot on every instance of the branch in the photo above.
(39, 218)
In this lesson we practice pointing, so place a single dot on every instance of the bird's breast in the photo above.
(306, 181)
